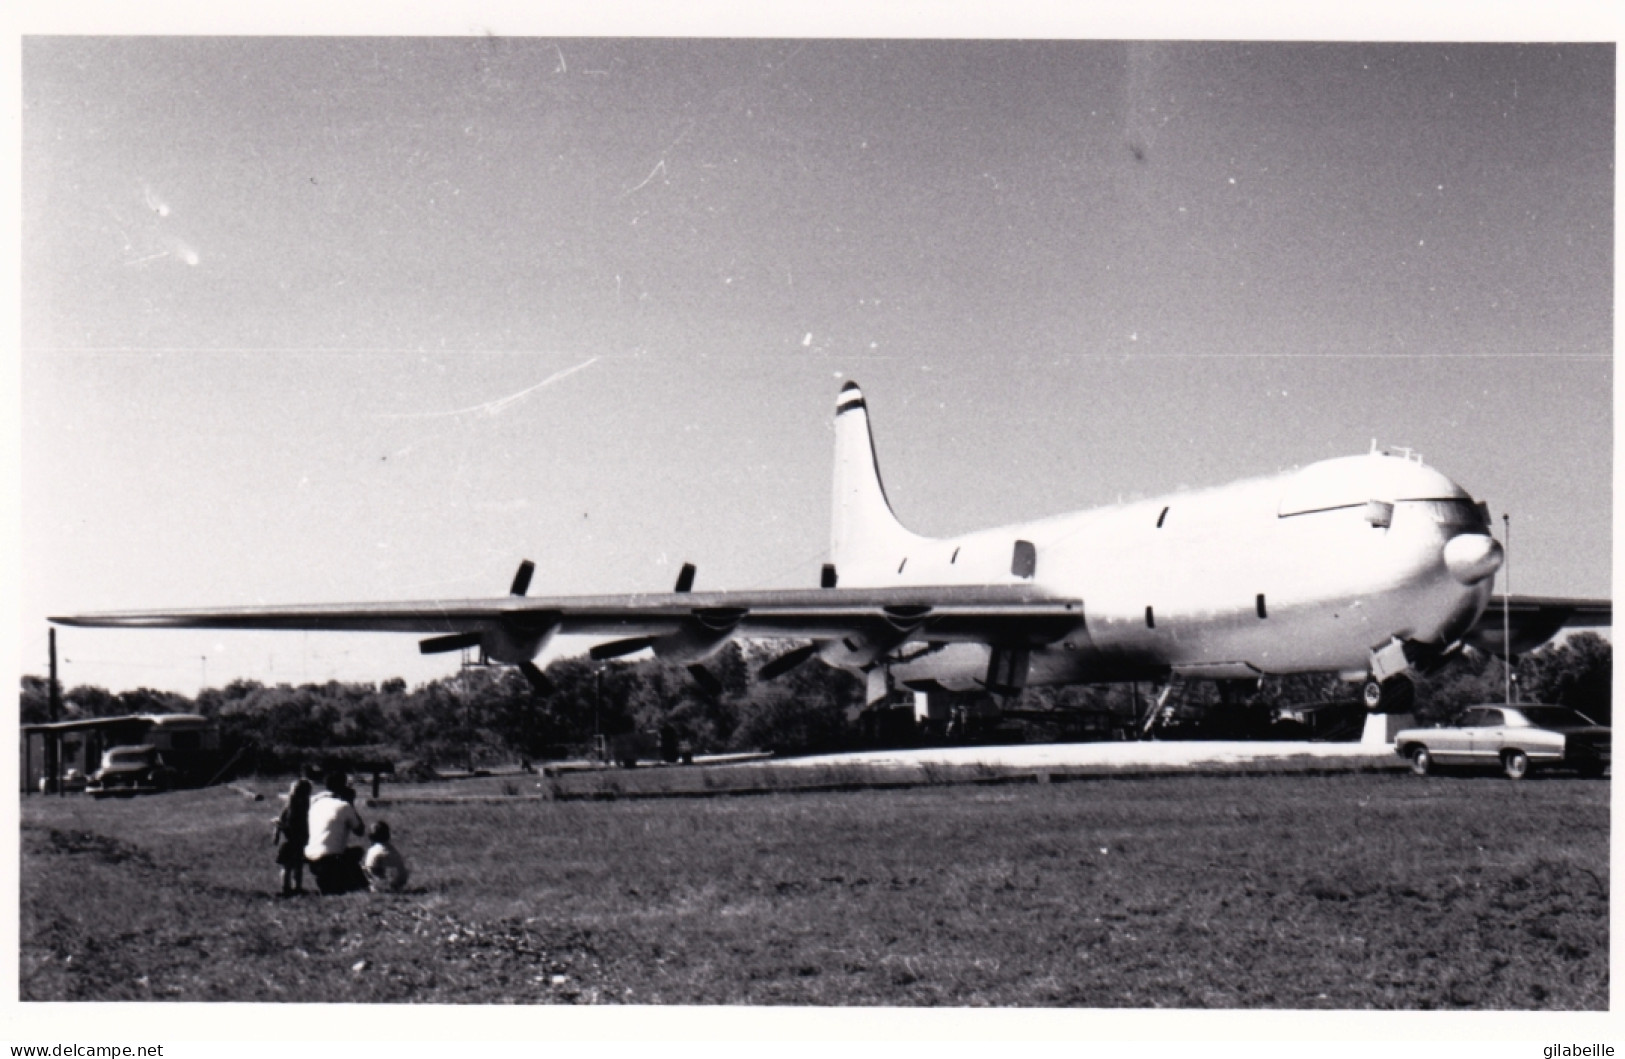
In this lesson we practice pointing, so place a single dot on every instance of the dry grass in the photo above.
(1353, 891)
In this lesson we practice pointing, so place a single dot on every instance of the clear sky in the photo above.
(346, 319)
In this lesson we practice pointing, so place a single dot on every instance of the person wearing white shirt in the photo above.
(332, 821)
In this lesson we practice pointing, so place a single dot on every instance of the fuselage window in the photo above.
(1024, 559)
(1150, 619)
(1161, 517)
(954, 558)
(1262, 613)
(902, 564)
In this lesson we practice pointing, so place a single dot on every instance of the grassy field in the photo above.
(1194, 891)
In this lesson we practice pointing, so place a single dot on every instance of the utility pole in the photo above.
(53, 742)
(1506, 611)
(597, 711)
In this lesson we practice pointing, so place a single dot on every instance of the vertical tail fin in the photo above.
(866, 540)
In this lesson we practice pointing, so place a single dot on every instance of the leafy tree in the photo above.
(810, 709)
(1578, 672)
(1465, 680)
(147, 700)
(35, 704)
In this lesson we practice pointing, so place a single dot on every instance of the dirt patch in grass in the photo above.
(1356, 891)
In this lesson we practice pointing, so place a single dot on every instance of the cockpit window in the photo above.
(1460, 513)
(1353, 481)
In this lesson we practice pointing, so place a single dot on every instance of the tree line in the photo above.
(488, 715)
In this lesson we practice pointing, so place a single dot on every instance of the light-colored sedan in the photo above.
(1511, 738)
(128, 770)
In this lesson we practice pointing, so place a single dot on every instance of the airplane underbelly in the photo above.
(1074, 659)
(1239, 643)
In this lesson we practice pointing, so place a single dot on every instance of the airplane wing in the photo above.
(1534, 620)
(1014, 615)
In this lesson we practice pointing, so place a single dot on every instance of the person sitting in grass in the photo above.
(386, 868)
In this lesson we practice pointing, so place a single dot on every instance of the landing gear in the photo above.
(1397, 694)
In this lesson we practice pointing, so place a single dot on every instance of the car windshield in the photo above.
(1556, 717)
(127, 757)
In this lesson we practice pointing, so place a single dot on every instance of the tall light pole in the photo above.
(53, 741)
(597, 712)
(1506, 606)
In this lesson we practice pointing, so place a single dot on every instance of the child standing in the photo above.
(292, 832)
(386, 868)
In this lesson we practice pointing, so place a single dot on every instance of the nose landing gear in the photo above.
(1397, 694)
(1391, 688)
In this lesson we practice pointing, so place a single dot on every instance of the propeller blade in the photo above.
(617, 648)
(521, 578)
(538, 680)
(685, 578)
(455, 642)
(787, 661)
(706, 679)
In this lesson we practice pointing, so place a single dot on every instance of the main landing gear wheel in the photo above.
(1515, 763)
(1394, 695)
(1421, 760)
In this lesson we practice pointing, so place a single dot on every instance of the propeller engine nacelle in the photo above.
(515, 642)
(509, 645)
(861, 650)
(701, 635)
(498, 642)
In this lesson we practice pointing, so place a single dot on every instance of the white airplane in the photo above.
(1375, 566)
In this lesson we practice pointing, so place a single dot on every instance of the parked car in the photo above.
(1514, 739)
(130, 770)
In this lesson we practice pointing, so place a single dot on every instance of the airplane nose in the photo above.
(1471, 557)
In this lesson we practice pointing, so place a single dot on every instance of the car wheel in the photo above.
(1421, 760)
(1515, 763)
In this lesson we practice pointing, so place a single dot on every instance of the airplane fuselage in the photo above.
(1311, 570)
